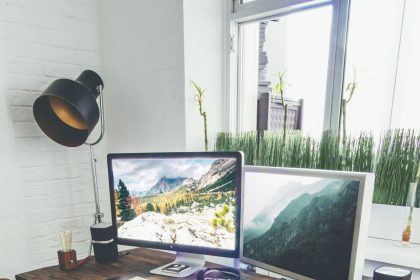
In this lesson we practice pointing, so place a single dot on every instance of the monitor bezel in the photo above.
(362, 218)
(180, 247)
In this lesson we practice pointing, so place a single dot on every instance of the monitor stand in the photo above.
(194, 261)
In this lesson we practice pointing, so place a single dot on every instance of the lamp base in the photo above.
(104, 246)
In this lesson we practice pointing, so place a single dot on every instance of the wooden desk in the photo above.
(137, 263)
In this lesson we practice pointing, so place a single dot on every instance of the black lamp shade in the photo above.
(67, 111)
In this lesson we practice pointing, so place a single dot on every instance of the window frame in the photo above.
(238, 13)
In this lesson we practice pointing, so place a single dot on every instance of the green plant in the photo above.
(396, 166)
(302, 151)
(224, 142)
(410, 202)
(279, 90)
(270, 150)
(350, 89)
(417, 178)
(330, 156)
(363, 153)
(395, 162)
(354, 154)
(150, 207)
(126, 211)
(220, 219)
(199, 97)
(245, 142)
(297, 151)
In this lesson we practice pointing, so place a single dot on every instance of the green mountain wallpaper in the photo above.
(312, 235)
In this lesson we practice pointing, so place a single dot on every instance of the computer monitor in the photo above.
(305, 224)
(185, 202)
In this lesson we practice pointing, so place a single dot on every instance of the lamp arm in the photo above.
(102, 117)
(98, 215)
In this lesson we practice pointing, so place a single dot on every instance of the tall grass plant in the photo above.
(394, 162)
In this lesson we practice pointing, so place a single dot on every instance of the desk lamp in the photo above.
(67, 112)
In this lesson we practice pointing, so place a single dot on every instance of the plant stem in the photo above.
(284, 117)
(206, 144)
(344, 112)
(199, 98)
(284, 122)
(204, 115)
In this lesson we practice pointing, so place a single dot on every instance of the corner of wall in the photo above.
(203, 62)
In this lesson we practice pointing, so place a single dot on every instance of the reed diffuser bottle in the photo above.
(411, 199)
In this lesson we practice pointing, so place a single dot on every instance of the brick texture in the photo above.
(43, 40)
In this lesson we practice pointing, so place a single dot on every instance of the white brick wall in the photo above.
(43, 40)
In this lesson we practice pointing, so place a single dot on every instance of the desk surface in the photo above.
(137, 263)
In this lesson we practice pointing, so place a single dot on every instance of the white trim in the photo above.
(397, 65)
(233, 79)
(238, 93)
(266, 8)
(247, 84)
(226, 67)
(336, 64)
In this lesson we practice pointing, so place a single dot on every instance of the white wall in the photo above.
(45, 187)
(148, 70)
(203, 28)
(143, 63)
(148, 101)
(203, 52)
(12, 239)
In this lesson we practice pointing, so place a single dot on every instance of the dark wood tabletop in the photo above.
(138, 262)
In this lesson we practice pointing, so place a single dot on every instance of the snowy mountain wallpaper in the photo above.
(300, 224)
(181, 201)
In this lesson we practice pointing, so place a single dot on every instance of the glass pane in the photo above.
(296, 47)
(372, 52)
(406, 113)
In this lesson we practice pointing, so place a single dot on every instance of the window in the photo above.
(322, 48)
(383, 54)
(298, 44)
(295, 49)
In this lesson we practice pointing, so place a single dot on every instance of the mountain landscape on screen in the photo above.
(312, 235)
(177, 201)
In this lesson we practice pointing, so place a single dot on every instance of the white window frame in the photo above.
(237, 13)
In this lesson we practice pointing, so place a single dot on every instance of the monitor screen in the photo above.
(186, 202)
(302, 224)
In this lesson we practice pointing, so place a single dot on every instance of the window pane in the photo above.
(406, 113)
(372, 53)
(296, 46)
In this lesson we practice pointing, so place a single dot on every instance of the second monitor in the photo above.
(186, 202)
(306, 224)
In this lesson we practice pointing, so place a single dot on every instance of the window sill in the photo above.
(388, 251)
